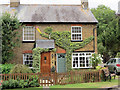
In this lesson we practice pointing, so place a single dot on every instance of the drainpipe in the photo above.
(94, 37)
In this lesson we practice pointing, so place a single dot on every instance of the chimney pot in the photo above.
(84, 4)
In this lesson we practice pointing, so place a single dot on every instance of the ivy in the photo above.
(63, 40)
(37, 57)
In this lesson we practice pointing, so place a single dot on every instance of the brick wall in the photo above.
(87, 31)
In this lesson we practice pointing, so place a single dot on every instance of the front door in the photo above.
(61, 63)
(45, 62)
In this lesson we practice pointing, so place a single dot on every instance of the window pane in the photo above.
(75, 54)
(76, 33)
(28, 60)
(29, 33)
(81, 60)
(75, 61)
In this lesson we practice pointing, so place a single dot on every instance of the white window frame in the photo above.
(33, 33)
(79, 59)
(76, 33)
(26, 60)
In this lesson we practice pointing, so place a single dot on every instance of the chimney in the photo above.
(14, 3)
(84, 4)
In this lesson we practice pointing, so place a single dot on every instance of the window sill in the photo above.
(28, 41)
(76, 40)
(81, 67)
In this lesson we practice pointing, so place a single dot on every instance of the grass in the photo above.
(89, 85)
(78, 85)
(31, 88)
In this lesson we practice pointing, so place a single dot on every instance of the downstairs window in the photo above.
(28, 59)
(81, 60)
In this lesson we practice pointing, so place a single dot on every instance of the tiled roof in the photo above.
(54, 13)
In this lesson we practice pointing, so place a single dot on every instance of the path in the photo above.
(46, 88)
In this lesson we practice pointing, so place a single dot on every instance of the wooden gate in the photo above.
(46, 79)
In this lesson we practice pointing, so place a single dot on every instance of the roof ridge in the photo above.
(52, 4)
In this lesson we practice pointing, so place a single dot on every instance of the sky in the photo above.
(113, 4)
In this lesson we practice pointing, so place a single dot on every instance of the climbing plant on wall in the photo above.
(63, 40)
(37, 57)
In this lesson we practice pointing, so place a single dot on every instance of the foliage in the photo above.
(10, 37)
(20, 68)
(33, 82)
(63, 40)
(53, 69)
(95, 60)
(5, 84)
(118, 55)
(37, 57)
(10, 84)
(21, 84)
(99, 68)
(6, 68)
(0, 41)
(107, 32)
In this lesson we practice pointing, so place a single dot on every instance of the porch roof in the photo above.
(45, 43)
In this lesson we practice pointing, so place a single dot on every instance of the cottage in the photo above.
(77, 19)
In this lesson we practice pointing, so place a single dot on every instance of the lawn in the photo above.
(89, 85)
(79, 85)
(31, 88)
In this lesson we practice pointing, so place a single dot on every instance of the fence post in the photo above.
(55, 78)
(71, 76)
(38, 77)
(99, 75)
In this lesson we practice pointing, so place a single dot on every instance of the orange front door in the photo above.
(45, 62)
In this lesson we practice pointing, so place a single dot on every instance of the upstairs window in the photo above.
(28, 33)
(76, 33)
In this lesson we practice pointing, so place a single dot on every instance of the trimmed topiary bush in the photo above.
(20, 68)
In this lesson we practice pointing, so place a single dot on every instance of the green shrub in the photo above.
(21, 84)
(118, 55)
(26, 83)
(6, 68)
(10, 84)
(34, 70)
(13, 83)
(98, 67)
(33, 81)
(20, 68)
(5, 84)
(95, 60)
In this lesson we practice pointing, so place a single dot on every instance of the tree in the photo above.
(10, 36)
(107, 32)
(0, 42)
